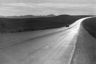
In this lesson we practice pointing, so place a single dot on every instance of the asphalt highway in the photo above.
(52, 46)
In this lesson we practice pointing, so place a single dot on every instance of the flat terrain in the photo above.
(55, 46)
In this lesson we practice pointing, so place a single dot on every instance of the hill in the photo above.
(28, 23)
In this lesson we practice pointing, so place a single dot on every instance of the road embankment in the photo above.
(85, 48)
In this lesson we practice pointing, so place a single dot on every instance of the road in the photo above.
(54, 46)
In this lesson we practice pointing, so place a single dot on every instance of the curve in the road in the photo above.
(85, 49)
(56, 48)
(14, 25)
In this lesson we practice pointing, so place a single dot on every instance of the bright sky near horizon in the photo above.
(39, 7)
(49, 1)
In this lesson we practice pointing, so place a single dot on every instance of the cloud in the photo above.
(58, 5)
(61, 5)
(17, 5)
(42, 8)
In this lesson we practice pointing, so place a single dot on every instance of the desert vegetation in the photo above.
(31, 23)
(90, 26)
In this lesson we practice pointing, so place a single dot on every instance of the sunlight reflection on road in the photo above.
(59, 53)
(56, 48)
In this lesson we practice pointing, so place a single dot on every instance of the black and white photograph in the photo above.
(47, 32)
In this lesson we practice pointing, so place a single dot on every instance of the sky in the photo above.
(47, 1)
(45, 7)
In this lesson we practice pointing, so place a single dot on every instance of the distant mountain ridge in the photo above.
(29, 16)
